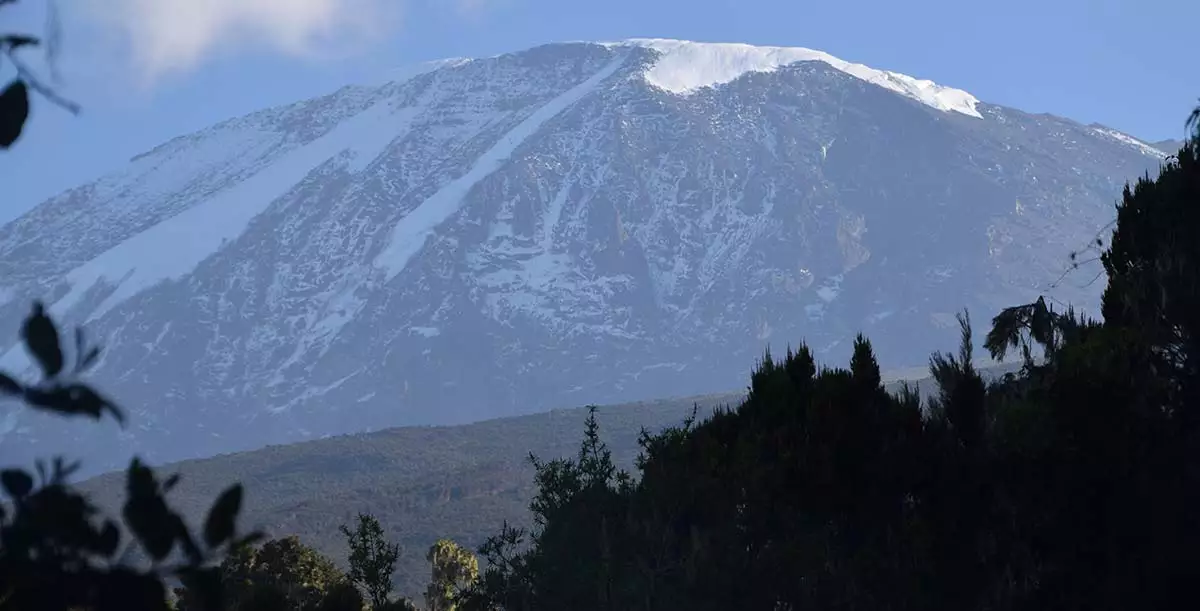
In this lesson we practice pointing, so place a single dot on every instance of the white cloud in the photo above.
(171, 36)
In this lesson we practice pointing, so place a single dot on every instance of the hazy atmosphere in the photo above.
(884, 305)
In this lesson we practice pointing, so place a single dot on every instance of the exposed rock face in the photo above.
(575, 223)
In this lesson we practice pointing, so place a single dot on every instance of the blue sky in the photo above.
(1124, 63)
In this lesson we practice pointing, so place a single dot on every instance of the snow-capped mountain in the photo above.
(570, 224)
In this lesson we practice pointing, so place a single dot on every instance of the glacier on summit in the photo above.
(569, 224)
(686, 66)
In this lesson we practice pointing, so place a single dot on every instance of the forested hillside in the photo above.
(422, 483)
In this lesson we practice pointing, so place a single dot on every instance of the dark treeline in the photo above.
(1071, 485)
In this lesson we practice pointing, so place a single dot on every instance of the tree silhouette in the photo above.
(372, 558)
(1193, 123)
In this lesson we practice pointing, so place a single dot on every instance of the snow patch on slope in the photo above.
(685, 67)
(173, 167)
(341, 306)
(1130, 140)
(185, 240)
(410, 233)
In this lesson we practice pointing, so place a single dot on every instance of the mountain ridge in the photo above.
(542, 228)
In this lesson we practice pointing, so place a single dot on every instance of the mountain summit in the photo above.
(685, 67)
(573, 223)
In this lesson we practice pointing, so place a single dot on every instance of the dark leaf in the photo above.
(41, 337)
(186, 541)
(16, 41)
(74, 400)
(110, 538)
(84, 357)
(16, 482)
(14, 110)
(80, 342)
(205, 585)
(9, 385)
(41, 469)
(171, 481)
(222, 518)
(63, 469)
(89, 358)
(123, 589)
(94, 403)
(146, 512)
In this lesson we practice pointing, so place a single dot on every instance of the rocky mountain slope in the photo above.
(570, 224)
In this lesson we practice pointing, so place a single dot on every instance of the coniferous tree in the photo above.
(372, 558)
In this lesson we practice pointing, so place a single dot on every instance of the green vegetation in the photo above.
(421, 483)
(454, 570)
(283, 570)
(286, 574)
(372, 559)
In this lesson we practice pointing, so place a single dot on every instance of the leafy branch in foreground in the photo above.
(57, 550)
(14, 98)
